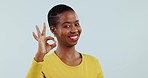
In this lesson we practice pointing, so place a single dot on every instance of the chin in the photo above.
(71, 44)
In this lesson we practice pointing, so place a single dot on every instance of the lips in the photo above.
(73, 37)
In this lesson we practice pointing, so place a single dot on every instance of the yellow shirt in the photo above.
(53, 67)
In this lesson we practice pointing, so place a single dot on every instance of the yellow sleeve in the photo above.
(100, 73)
(35, 70)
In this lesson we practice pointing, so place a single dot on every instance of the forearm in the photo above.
(35, 70)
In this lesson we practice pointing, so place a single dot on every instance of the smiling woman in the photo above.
(65, 61)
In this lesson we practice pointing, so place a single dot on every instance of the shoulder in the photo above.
(89, 58)
(49, 56)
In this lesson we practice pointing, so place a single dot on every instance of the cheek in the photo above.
(80, 29)
(63, 32)
(58, 32)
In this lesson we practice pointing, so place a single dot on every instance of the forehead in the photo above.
(68, 16)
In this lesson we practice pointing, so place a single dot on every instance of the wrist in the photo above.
(39, 57)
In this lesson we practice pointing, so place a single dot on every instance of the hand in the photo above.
(43, 46)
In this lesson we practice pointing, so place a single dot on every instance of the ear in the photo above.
(52, 29)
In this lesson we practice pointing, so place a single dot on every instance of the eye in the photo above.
(77, 24)
(66, 26)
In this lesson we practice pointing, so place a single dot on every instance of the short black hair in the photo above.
(55, 11)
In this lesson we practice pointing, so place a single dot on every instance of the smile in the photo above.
(74, 37)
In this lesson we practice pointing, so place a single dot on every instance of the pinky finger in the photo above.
(34, 35)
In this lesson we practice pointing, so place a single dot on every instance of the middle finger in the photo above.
(44, 30)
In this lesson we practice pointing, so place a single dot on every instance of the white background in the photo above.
(114, 31)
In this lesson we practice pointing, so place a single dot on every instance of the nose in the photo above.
(74, 29)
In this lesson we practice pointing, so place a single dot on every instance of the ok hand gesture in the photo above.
(43, 46)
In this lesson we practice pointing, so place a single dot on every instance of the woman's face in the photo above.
(68, 29)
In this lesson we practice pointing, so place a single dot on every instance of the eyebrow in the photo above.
(69, 22)
(77, 21)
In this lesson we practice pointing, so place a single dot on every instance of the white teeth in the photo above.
(74, 37)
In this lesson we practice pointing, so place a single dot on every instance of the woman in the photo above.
(65, 61)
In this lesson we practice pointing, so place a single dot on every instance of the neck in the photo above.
(65, 52)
